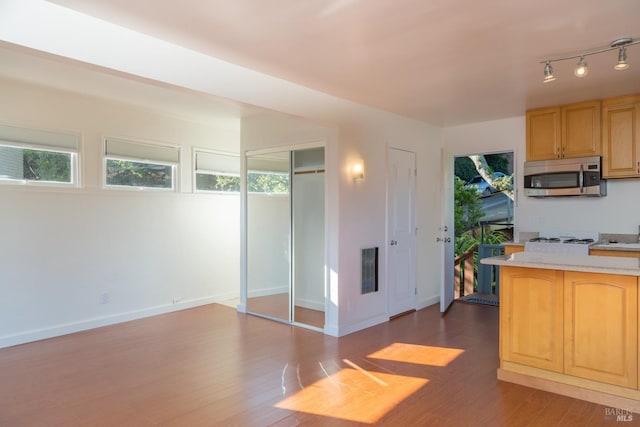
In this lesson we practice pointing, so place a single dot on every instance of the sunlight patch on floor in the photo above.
(353, 394)
(418, 354)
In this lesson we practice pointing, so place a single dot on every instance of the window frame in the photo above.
(74, 163)
(197, 171)
(175, 166)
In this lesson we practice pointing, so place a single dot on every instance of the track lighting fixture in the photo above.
(548, 73)
(622, 60)
(582, 68)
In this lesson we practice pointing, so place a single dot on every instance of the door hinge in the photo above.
(415, 291)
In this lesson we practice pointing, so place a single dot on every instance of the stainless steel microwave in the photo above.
(580, 176)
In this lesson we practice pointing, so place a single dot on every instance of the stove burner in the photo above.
(579, 241)
(545, 239)
(571, 240)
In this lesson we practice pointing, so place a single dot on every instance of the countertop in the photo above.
(586, 263)
(621, 247)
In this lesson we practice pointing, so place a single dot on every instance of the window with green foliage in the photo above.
(37, 156)
(140, 165)
(36, 165)
(206, 181)
(216, 172)
(268, 182)
(139, 174)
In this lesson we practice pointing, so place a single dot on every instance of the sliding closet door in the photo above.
(269, 235)
(308, 237)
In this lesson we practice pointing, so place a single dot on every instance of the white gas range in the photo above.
(573, 243)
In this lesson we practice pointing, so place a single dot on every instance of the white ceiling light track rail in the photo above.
(582, 68)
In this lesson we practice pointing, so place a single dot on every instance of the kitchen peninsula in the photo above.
(569, 325)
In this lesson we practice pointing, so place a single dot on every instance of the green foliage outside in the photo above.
(465, 169)
(467, 213)
(208, 182)
(468, 206)
(272, 183)
(46, 166)
(136, 174)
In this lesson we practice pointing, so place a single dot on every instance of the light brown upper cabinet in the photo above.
(621, 137)
(567, 131)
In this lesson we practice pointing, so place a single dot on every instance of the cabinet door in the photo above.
(544, 134)
(581, 130)
(601, 327)
(620, 138)
(531, 320)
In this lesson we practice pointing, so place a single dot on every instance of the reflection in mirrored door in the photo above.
(285, 236)
(268, 235)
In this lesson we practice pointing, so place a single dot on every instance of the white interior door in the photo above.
(401, 244)
(446, 235)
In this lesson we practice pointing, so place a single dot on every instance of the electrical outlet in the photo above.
(176, 300)
(104, 298)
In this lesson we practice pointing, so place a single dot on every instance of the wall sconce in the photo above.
(582, 69)
(357, 170)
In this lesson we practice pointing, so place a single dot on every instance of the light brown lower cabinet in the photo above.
(580, 325)
(601, 327)
(531, 329)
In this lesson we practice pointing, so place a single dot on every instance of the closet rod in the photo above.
(305, 172)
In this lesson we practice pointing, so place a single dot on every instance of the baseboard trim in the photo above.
(428, 302)
(404, 313)
(563, 387)
(83, 325)
(349, 329)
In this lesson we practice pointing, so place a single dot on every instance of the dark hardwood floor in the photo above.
(211, 366)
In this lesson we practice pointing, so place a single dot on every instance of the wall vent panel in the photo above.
(369, 262)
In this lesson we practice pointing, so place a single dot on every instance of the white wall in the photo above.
(61, 249)
(618, 212)
(363, 216)
(355, 211)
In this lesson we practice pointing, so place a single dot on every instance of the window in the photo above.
(31, 156)
(140, 165)
(216, 172)
(268, 173)
(268, 182)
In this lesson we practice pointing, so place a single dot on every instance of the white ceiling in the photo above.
(446, 62)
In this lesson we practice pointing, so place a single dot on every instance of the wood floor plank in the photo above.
(213, 366)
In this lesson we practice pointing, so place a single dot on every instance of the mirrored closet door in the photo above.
(285, 236)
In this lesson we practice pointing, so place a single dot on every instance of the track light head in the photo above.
(622, 60)
(548, 73)
(582, 69)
